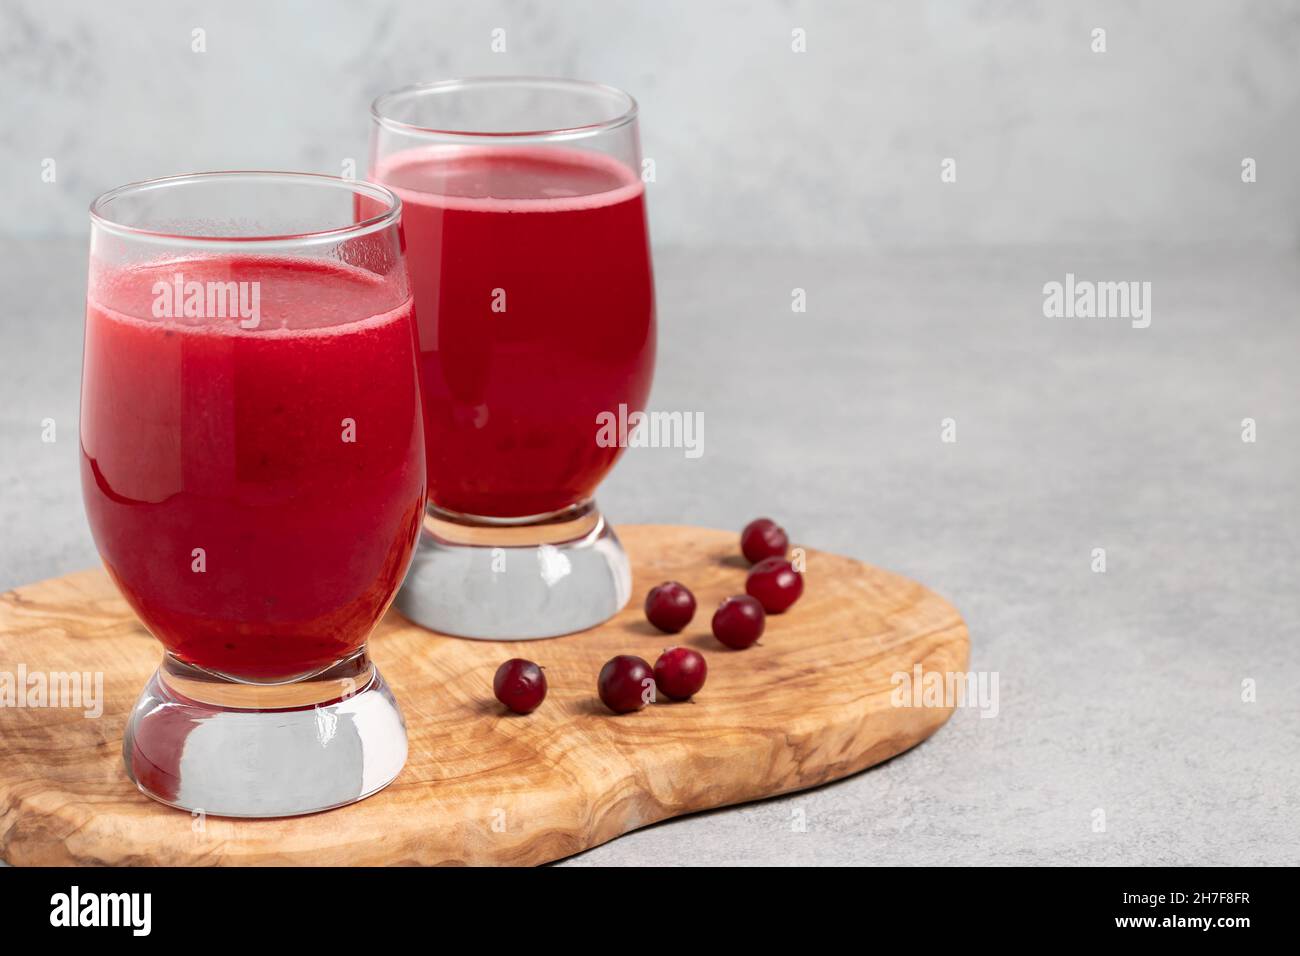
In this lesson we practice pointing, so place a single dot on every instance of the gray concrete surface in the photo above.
(1119, 691)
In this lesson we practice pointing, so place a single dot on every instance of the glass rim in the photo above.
(379, 115)
(387, 217)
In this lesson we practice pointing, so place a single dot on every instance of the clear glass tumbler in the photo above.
(252, 464)
(524, 213)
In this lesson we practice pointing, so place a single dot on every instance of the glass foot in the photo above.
(224, 748)
(516, 581)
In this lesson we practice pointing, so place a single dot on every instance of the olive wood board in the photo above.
(810, 703)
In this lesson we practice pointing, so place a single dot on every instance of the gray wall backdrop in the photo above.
(754, 144)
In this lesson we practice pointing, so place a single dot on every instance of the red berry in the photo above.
(680, 672)
(670, 607)
(624, 682)
(738, 621)
(763, 538)
(520, 685)
(775, 583)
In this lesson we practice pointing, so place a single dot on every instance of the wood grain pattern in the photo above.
(809, 704)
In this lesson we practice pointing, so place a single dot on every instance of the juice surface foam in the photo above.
(508, 179)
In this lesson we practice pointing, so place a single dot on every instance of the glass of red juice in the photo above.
(252, 464)
(529, 254)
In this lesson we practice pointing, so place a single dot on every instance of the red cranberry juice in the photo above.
(200, 434)
(535, 306)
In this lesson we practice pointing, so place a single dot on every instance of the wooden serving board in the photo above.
(808, 704)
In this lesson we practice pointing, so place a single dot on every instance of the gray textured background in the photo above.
(1119, 691)
(752, 143)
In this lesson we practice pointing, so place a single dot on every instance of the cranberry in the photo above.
(670, 607)
(623, 683)
(763, 538)
(680, 672)
(775, 583)
(738, 621)
(520, 685)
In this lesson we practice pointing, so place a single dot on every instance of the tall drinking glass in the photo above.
(252, 463)
(530, 259)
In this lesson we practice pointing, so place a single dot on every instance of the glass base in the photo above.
(516, 580)
(209, 744)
